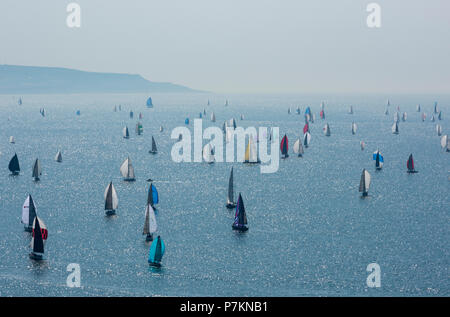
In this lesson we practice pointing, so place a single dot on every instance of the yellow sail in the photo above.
(247, 152)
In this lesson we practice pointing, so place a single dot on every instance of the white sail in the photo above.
(395, 128)
(213, 117)
(354, 128)
(445, 142)
(404, 116)
(306, 138)
(439, 129)
(367, 179)
(125, 132)
(150, 225)
(26, 211)
(127, 170)
(12, 140)
(58, 157)
(298, 147)
(207, 155)
(326, 130)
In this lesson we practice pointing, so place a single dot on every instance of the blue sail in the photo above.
(156, 251)
(186, 121)
(308, 111)
(149, 102)
(155, 195)
(375, 157)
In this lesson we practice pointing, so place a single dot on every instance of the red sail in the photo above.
(284, 145)
(410, 163)
(305, 128)
(321, 114)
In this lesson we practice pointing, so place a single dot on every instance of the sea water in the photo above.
(310, 232)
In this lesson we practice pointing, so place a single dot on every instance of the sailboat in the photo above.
(350, 110)
(139, 128)
(379, 160)
(126, 133)
(435, 107)
(298, 148)
(78, 113)
(364, 183)
(440, 115)
(386, 112)
(37, 242)
(445, 143)
(28, 213)
(289, 110)
(37, 171)
(149, 102)
(152, 196)
(242, 117)
(58, 157)
(14, 166)
(12, 140)
(230, 198)
(424, 116)
(131, 114)
(140, 115)
(208, 155)
(200, 115)
(396, 117)
(111, 199)
(161, 129)
(186, 121)
(213, 117)
(208, 103)
(127, 170)
(306, 128)
(395, 128)
(404, 116)
(418, 108)
(226, 103)
(204, 111)
(326, 130)
(354, 128)
(284, 146)
(322, 114)
(306, 139)
(156, 252)
(240, 218)
(410, 165)
(154, 150)
(20, 101)
(432, 118)
(363, 145)
(438, 129)
(150, 225)
(251, 155)
(298, 110)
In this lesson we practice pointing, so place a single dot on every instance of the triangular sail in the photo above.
(410, 163)
(230, 188)
(240, 218)
(354, 128)
(58, 157)
(127, 170)
(306, 139)
(37, 169)
(152, 196)
(364, 183)
(28, 211)
(154, 149)
(150, 225)
(207, 153)
(111, 199)
(156, 251)
(125, 132)
(37, 242)
(284, 145)
(14, 164)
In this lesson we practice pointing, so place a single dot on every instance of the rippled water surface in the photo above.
(310, 232)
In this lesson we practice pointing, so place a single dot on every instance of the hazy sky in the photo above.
(240, 45)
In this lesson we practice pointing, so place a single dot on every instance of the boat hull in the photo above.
(129, 179)
(152, 152)
(154, 264)
(110, 212)
(230, 205)
(36, 256)
(412, 172)
(28, 229)
(239, 228)
(149, 238)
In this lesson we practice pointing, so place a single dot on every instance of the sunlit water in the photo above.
(310, 231)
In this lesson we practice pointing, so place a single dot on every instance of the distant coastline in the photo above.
(15, 79)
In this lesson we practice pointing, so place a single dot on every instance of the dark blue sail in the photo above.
(149, 102)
